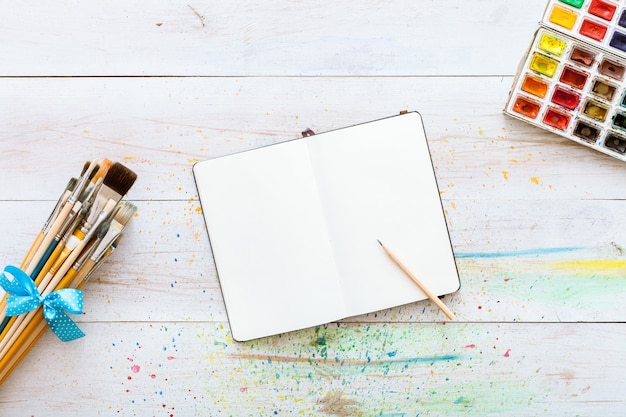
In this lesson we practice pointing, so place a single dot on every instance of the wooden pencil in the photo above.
(425, 289)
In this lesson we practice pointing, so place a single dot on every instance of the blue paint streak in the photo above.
(424, 359)
(543, 251)
(428, 359)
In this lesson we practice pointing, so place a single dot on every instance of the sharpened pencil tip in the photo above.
(381, 243)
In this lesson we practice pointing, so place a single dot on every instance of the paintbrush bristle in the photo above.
(71, 184)
(125, 213)
(92, 174)
(102, 170)
(119, 178)
(85, 167)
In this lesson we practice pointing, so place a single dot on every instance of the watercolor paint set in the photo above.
(571, 80)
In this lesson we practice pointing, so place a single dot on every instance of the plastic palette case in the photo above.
(571, 80)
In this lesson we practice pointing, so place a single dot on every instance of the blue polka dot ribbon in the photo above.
(25, 297)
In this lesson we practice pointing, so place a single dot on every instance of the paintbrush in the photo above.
(116, 182)
(107, 234)
(37, 327)
(54, 277)
(58, 243)
(90, 249)
(74, 245)
(46, 234)
(40, 236)
(105, 164)
(34, 327)
(79, 281)
(57, 247)
(60, 218)
(49, 256)
(23, 345)
(44, 230)
(16, 344)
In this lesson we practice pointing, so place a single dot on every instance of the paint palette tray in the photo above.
(601, 23)
(572, 86)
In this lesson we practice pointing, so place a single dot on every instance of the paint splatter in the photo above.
(535, 180)
(135, 368)
(505, 174)
(507, 353)
(461, 400)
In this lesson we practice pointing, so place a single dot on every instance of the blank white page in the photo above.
(377, 182)
(269, 240)
(294, 226)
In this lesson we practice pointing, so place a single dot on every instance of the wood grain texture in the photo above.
(161, 126)
(536, 222)
(342, 370)
(244, 38)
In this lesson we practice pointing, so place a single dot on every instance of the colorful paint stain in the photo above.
(562, 17)
(552, 44)
(526, 107)
(556, 119)
(543, 65)
(535, 86)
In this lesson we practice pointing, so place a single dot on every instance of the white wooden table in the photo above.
(537, 222)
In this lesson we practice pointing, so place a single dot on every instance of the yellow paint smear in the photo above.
(606, 267)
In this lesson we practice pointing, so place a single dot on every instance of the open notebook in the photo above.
(294, 226)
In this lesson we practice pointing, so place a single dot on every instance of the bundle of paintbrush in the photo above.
(82, 230)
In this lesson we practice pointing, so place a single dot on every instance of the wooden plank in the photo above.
(160, 126)
(282, 38)
(182, 368)
(519, 260)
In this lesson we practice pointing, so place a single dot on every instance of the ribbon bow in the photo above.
(25, 297)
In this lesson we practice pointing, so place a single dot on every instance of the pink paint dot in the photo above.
(135, 368)
(169, 358)
(506, 354)
(472, 346)
(153, 376)
(243, 389)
